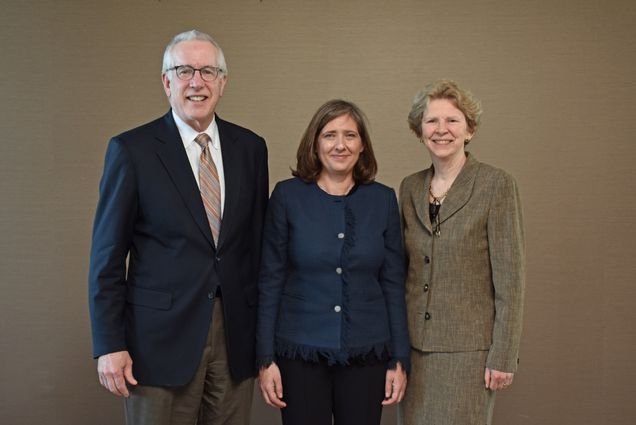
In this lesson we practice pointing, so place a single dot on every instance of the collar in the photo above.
(188, 134)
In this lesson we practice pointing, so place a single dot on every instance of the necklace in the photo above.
(346, 191)
(437, 200)
(434, 209)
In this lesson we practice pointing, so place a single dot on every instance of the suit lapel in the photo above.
(419, 199)
(173, 156)
(233, 173)
(460, 191)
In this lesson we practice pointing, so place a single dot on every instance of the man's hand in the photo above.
(114, 370)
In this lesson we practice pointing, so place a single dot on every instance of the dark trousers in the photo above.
(318, 394)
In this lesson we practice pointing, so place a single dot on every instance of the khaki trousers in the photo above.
(211, 398)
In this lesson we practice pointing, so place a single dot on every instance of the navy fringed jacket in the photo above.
(332, 276)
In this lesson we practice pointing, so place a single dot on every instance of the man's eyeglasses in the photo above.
(186, 72)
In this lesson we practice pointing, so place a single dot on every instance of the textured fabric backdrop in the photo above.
(556, 81)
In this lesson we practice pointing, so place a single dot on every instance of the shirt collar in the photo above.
(188, 134)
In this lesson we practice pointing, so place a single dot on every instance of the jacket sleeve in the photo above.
(261, 194)
(507, 257)
(392, 280)
(272, 276)
(112, 235)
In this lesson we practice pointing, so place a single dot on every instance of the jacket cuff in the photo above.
(506, 364)
(405, 362)
(264, 362)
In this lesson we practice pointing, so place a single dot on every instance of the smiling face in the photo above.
(444, 129)
(339, 147)
(194, 101)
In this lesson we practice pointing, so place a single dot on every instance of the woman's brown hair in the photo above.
(308, 165)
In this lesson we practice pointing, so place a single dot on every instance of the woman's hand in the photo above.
(271, 386)
(496, 380)
(394, 385)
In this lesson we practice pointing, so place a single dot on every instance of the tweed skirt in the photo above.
(447, 389)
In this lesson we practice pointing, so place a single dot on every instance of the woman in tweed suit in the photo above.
(464, 243)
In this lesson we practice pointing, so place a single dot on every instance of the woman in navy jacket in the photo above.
(332, 337)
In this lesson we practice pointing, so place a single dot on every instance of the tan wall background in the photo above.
(556, 81)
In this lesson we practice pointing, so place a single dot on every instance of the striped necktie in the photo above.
(209, 185)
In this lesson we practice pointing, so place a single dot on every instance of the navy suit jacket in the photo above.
(154, 267)
(332, 275)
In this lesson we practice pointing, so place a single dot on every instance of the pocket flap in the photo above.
(149, 298)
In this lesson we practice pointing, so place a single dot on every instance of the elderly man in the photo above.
(175, 252)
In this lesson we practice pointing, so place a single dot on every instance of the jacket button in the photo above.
(337, 309)
(426, 287)
(340, 235)
(218, 258)
(427, 316)
(339, 270)
(210, 295)
(427, 259)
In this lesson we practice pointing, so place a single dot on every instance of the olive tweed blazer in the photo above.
(464, 288)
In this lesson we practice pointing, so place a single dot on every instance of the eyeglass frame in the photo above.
(217, 70)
